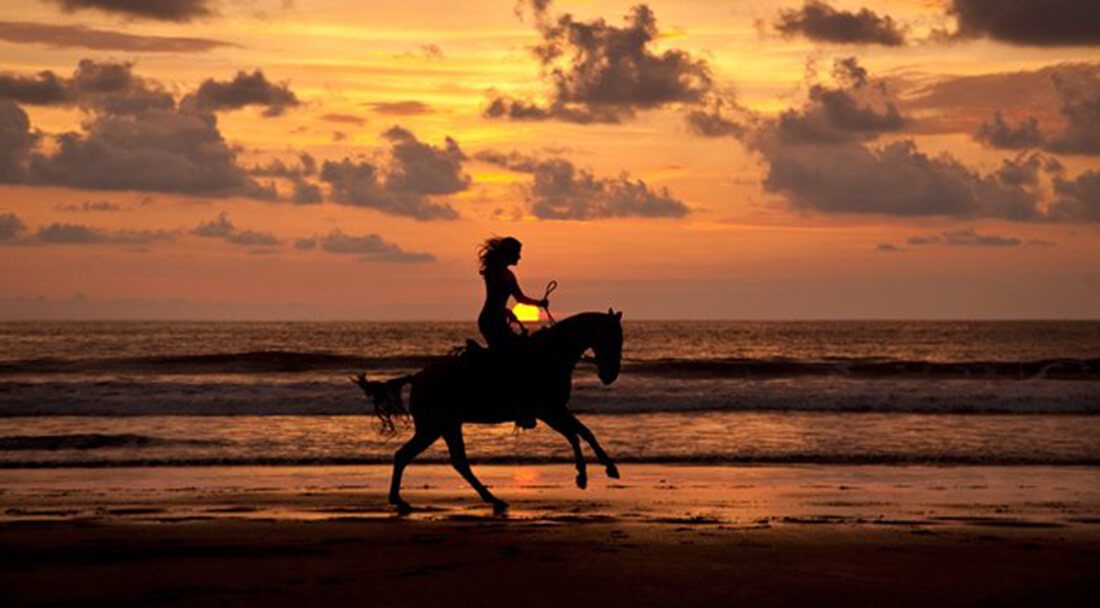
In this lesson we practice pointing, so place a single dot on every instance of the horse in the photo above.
(484, 387)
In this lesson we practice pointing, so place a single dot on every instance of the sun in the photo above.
(526, 313)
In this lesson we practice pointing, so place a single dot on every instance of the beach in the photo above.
(662, 535)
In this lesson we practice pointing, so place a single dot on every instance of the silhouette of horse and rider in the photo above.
(519, 378)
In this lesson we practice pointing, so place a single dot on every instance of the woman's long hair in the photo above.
(495, 252)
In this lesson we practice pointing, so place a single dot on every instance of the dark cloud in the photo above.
(887, 248)
(344, 118)
(44, 88)
(11, 227)
(79, 36)
(821, 22)
(305, 193)
(415, 171)
(244, 90)
(1079, 108)
(997, 133)
(222, 228)
(828, 165)
(157, 150)
(1025, 168)
(80, 234)
(1081, 113)
(16, 142)
(560, 191)
(965, 237)
(307, 165)
(161, 10)
(603, 73)
(855, 109)
(401, 108)
(91, 206)
(1029, 22)
(95, 86)
(1077, 199)
(895, 179)
(369, 248)
(134, 137)
(714, 120)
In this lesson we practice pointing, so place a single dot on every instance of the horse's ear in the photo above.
(610, 311)
(619, 316)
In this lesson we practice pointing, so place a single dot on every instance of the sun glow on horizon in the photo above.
(527, 313)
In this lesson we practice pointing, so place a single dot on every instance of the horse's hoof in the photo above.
(500, 507)
(582, 481)
(612, 471)
(403, 508)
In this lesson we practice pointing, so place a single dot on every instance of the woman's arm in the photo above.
(518, 294)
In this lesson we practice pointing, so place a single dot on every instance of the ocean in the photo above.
(81, 394)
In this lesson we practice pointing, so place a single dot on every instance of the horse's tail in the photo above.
(386, 398)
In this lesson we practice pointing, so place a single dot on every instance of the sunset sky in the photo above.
(325, 159)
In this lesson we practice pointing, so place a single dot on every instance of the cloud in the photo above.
(713, 120)
(414, 172)
(821, 22)
(369, 248)
(44, 88)
(94, 86)
(160, 10)
(344, 118)
(560, 191)
(997, 133)
(855, 109)
(1077, 199)
(307, 165)
(135, 137)
(222, 228)
(886, 248)
(965, 237)
(79, 36)
(941, 104)
(895, 179)
(91, 206)
(1080, 118)
(16, 142)
(1029, 22)
(602, 73)
(11, 227)
(159, 150)
(1081, 111)
(80, 234)
(829, 165)
(401, 108)
(244, 90)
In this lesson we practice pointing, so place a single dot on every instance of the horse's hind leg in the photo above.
(401, 459)
(457, 447)
(567, 428)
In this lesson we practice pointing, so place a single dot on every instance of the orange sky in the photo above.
(859, 172)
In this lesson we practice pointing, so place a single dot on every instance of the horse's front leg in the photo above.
(605, 460)
(568, 429)
(457, 447)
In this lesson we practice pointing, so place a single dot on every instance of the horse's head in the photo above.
(608, 347)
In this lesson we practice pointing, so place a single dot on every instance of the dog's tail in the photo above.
(386, 398)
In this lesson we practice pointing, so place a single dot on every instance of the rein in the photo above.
(550, 287)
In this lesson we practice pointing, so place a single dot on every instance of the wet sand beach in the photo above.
(663, 535)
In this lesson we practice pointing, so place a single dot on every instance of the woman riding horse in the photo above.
(457, 390)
